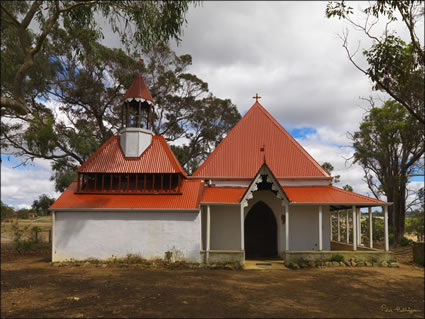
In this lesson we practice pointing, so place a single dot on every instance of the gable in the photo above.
(239, 154)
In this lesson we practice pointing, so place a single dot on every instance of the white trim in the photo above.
(53, 236)
(250, 178)
(320, 229)
(359, 227)
(339, 226)
(370, 227)
(208, 233)
(264, 170)
(347, 227)
(354, 228)
(218, 204)
(340, 204)
(200, 225)
(286, 227)
(242, 227)
(387, 245)
(125, 209)
(138, 99)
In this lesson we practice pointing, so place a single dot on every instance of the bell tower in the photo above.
(137, 118)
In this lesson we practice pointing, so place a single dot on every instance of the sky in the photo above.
(287, 52)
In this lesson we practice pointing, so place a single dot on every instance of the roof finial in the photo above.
(263, 150)
(256, 97)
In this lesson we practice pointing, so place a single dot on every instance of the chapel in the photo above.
(259, 194)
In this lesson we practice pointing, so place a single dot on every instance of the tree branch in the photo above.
(12, 104)
(14, 21)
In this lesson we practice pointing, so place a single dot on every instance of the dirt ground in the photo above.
(32, 288)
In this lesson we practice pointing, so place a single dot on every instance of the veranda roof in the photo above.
(306, 195)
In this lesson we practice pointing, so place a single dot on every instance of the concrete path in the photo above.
(268, 264)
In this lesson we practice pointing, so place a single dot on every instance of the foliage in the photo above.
(173, 255)
(337, 258)
(42, 204)
(348, 188)
(415, 224)
(139, 24)
(404, 241)
(378, 227)
(394, 66)
(89, 91)
(23, 213)
(6, 211)
(25, 238)
(328, 167)
(389, 146)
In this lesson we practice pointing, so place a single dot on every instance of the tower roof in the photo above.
(258, 137)
(109, 158)
(138, 91)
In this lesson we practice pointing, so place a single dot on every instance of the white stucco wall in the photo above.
(225, 228)
(82, 235)
(304, 228)
(303, 224)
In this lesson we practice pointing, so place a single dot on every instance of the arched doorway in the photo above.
(260, 232)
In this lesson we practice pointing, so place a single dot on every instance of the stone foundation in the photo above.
(224, 256)
(378, 255)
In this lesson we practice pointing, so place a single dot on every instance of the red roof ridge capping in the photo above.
(174, 161)
(138, 89)
(118, 163)
(291, 139)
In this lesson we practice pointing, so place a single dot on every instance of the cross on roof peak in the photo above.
(256, 97)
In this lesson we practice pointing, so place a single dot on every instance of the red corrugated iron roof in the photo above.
(138, 89)
(109, 158)
(296, 194)
(222, 194)
(239, 155)
(189, 199)
(326, 194)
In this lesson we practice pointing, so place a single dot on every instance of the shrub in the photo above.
(373, 260)
(337, 258)
(24, 238)
(404, 241)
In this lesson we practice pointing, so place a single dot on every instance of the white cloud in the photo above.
(19, 188)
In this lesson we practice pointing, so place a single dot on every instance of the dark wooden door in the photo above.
(260, 232)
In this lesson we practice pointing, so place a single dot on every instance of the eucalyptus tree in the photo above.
(27, 28)
(82, 106)
(394, 65)
(389, 146)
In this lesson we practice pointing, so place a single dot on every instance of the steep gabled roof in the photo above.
(109, 158)
(239, 154)
(138, 90)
